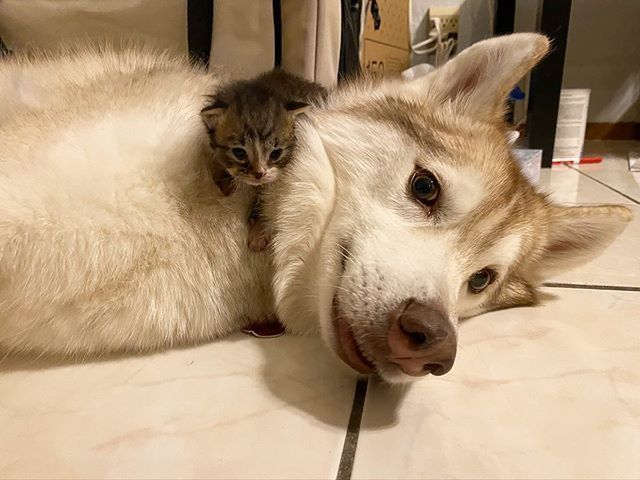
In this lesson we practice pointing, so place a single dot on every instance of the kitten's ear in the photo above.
(211, 113)
(296, 108)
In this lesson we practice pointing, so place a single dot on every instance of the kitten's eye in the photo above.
(481, 280)
(424, 187)
(275, 154)
(239, 153)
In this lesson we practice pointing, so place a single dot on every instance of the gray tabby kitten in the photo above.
(251, 126)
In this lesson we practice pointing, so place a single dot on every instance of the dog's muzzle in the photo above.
(420, 340)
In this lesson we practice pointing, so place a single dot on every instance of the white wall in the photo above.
(476, 22)
(603, 54)
(603, 49)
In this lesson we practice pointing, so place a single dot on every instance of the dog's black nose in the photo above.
(421, 338)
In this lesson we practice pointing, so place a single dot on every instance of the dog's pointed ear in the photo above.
(477, 81)
(578, 234)
(211, 113)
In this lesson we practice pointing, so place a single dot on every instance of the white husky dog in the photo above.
(402, 212)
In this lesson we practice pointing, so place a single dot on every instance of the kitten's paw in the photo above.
(227, 187)
(225, 182)
(259, 237)
(258, 243)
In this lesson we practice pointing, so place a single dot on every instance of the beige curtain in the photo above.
(243, 39)
(311, 39)
(47, 23)
(243, 36)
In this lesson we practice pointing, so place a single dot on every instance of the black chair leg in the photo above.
(546, 80)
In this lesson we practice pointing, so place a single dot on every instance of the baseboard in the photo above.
(613, 131)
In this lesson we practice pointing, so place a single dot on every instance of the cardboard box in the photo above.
(386, 50)
(384, 60)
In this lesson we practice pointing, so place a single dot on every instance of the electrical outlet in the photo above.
(449, 17)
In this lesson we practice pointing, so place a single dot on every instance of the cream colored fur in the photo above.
(113, 236)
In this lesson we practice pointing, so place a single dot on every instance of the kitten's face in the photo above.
(252, 142)
(254, 148)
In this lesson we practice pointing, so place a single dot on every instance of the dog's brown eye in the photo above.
(425, 187)
(239, 153)
(481, 280)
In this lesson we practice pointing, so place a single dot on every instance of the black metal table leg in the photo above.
(350, 38)
(546, 80)
(277, 33)
(199, 29)
(505, 17)
(504, 23)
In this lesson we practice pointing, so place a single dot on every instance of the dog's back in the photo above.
(104, 194)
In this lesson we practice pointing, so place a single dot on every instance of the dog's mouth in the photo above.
(347, 346)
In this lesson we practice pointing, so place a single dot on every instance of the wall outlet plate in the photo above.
(449, 19)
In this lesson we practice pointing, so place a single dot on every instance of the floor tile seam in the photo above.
(604, 184)
(592, 286)
(352, 434)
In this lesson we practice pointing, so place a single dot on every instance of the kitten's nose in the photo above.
(259, 174)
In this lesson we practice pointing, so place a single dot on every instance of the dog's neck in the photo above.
(299, 206)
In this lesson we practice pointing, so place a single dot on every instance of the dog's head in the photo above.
(405, 211)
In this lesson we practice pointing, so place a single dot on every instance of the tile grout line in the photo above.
(605, 185)
(585, 286)
(353, 431)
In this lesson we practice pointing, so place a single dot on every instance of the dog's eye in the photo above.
(275, 154)
(481, 280)
(424, 187)
(239, 153)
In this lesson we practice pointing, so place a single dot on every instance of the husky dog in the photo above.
(402, 212)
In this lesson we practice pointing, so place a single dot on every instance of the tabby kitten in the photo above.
(251, 126)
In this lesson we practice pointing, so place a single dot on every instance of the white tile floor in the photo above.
(545, 392)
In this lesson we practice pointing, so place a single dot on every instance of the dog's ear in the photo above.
(578, 234)
(477, 81)
(211, 113)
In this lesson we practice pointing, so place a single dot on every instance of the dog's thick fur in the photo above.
(113, 236)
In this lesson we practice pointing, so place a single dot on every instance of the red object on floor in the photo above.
(583, 160)
(265, 330)
(591, 160)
